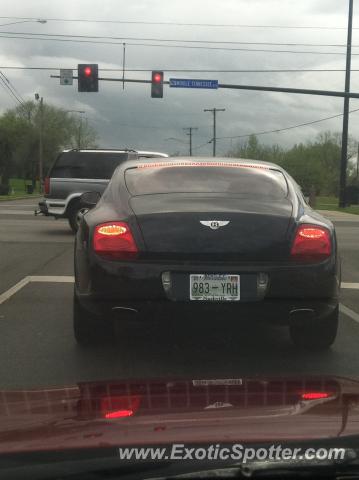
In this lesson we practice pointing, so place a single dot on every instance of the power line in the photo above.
(8, 90)
(12, 87)
(181, 24)
(184, 70)
(192, 47)
(177, 40)
(203, 145)
(286, 128)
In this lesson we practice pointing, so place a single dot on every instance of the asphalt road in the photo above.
(37, 345)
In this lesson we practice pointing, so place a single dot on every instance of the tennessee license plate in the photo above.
(215, 287)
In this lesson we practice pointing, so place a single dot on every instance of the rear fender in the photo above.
(71, 201)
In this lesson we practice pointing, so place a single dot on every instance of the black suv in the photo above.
(78, 171)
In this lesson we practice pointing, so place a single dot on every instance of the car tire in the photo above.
(89, 329)
(315, 334)
(74, 215)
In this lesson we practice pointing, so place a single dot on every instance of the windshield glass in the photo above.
(179, 232)
(86, 165)
(236, 180)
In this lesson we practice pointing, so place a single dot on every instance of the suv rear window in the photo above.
(97, 165)
(236, 180)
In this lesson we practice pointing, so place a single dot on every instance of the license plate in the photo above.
(215, 287)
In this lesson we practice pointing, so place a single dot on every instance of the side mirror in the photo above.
(89, 200)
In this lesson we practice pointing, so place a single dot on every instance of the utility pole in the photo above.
(190, 130)
(214, 111)
(344, 156)
(80, 134)
(41, 144)
(41, 147)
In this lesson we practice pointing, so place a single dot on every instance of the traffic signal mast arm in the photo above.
(302, 91)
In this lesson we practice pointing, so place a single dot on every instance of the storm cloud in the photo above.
(131, 118)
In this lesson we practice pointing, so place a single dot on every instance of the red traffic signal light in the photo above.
(88, 71)
(157, 78)
(88, 77)
(157, 84)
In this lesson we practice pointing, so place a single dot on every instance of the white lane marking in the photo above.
(40, 279)
(353, 286)
(9, 293)
(349, 313)
(52, 279)
(16, 212)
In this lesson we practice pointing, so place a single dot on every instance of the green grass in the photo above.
(331, 203)
(18, 190)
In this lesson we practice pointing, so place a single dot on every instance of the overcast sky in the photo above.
(131, 118)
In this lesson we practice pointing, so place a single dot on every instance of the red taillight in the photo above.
(119, 406)
(311, 244)
(114, 241)
(315, 395)
(47, 185)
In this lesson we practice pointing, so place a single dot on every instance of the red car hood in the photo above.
(150, 412)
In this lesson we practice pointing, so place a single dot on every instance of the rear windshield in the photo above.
(237, 180)
(94, 165)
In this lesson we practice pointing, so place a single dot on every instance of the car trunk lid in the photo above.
(217, 226)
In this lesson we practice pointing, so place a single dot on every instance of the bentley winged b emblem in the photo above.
(214, 224)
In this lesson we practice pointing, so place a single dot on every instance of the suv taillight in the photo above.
(47, 185)
(114, 241)
(312, 243)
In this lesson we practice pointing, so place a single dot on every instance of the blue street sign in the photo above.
(192, 83)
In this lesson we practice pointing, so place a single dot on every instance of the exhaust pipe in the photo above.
(125, 309)
(301, 311)
(301, 315)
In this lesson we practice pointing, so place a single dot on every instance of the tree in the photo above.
(11, 131)
(248, 149)
(314, 163)
(85, 135)
(19, 138)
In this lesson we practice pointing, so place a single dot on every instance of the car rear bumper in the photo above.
(104, 287)
(58, 207)
(273, 311)
(55, 208)
(42, 208)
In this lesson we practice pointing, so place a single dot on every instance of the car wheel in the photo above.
(317, 334)
(75, 214)
(89, 328)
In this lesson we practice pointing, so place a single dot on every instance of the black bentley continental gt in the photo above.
(227, 238)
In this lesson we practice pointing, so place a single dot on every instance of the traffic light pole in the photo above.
(300, 91)
(344, 155)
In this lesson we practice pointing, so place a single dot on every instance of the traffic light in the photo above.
(157, 84)
(88, 77)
